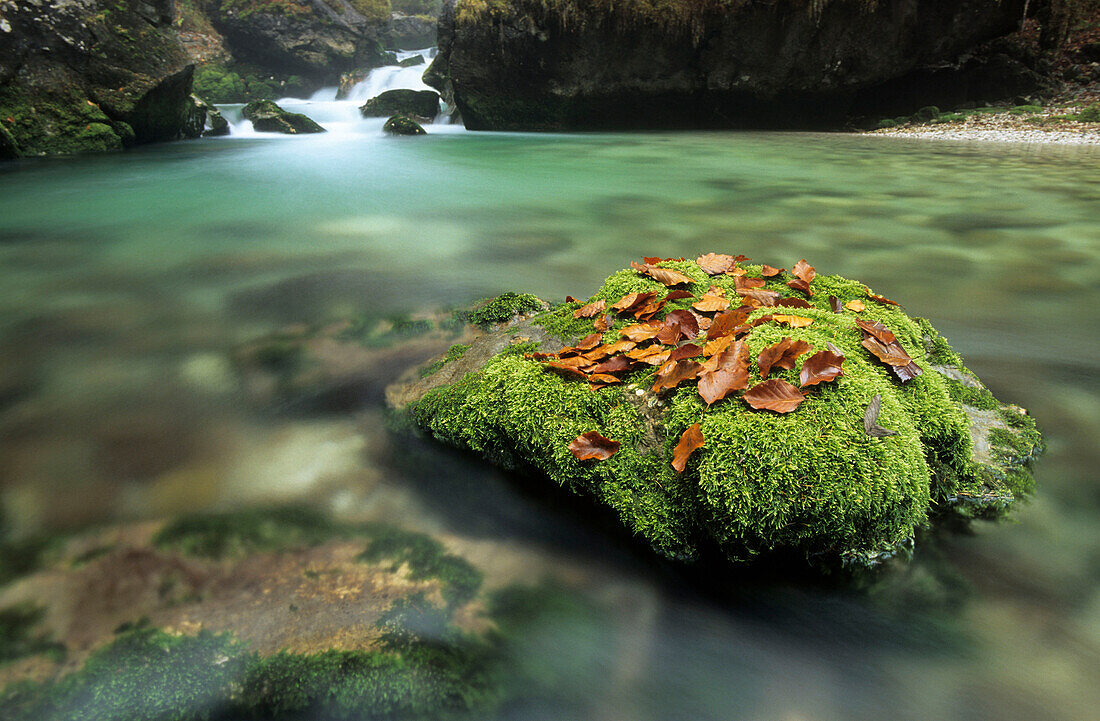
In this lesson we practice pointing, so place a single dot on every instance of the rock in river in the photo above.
(267, 117)
(419, 103)
(403, 125)
(747, 412)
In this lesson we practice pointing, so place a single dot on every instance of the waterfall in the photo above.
(341, 117)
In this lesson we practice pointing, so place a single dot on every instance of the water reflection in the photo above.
(129, 282)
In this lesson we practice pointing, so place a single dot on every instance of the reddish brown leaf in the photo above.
(802, 285)
(676, 295)
(906, 372)
(665, 276)
(609, 349)
(761, 296)
(633, 301)
(794, 321)
(889, 353)
(650, 309)
(879, 298)
(603, 323)
(781, 355)
(731, 373)
(589, 342)
(876, 329)
(855, 306)
(691, 441)
(704, 321)
(571, 299)
(672, 373)
(678, 324)
(743, 283)
(564, 370)
(821, 367)
(651, 261)
(641, 331)
(711, 303)
(654, 355)
(775, 395)
(592, 445)
(715, 263)
(768, 272)
(716, 346)
(793, 303)
(834, 350)
(762, 320)
(834, 303)
(592, 309)
(736, 270)
(688, 350)
(616, 364)
(597, 381)
(724, 323)
(803, 271)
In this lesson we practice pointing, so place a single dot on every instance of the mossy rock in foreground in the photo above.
(267, 117)
(811, 481)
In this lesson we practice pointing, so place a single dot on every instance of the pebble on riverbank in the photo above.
(1048, 125)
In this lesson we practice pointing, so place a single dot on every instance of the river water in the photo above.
(126, 281)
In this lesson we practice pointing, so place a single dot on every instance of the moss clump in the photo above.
(497, 310)
(225, 535)
(453, 353)
(811, 480)
(1091, 114)
(425, 558)
(60, 123)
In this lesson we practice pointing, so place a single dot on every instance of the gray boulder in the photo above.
(267, 117)
(403, 125)
(421, 103)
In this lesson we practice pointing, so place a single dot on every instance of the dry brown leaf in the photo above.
(761, 296)
(879, 298)
(774, 395)
(725, 323)
(781, 355)
(834, 303)
(665, 276)
(768, 272)
(616, 364)
(632, 301)
(678, 324)
(876, 329)
(889, 353)
(592, 309)
(716, 346)
(672, 373)
(691, 441)
(803, 271)
(640, 331)
(715, 263)
(790, 302)
(794, 321)
(564, 370)
(802, 285)
(855, 306)
(676, 295)
(603, 323)
(743, 283)
(821, 367)
(711, 303)
(730, 373)
(688, 350)
(589, 342)
(593, 446)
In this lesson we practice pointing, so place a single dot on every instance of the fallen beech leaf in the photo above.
(691, 441)
(665, 276)
(571, 299)
(673, 373)
(781, 355)
(855, 306)
(821, 367)
(579, 363)
(731, 373)
(651, 261)
(592, 445)
(715, 263)
(617, 364)
(599, 380)
(802, 285)
(834, 350)
(676, 295)
(603, 323)
(870, 420)
(790, 302)
(688, 350)
(762, 296)
(907, 372)
(803, 271)
(716, 346)
(609, 349)
(632, 301)
(594, 308)
(762, 320)
(724, 323)
(640, 331)
(876, 329)
(589, 342)
(743, 283)
(658, 357)
(794, 321)
(879, 298)
(564, 370)
(889, 353)
(678, 323)
(775, 395)
(711, 303)
(768, 272)
(736, 270)
(834, 303)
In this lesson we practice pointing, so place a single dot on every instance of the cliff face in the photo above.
(91, 75)
(535, 65)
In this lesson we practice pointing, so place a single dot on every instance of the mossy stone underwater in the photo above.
(812, 481)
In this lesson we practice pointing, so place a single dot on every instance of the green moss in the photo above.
(1090, 114)
(224, 535)
(453, 353)
(17, 636)
(425, 558)
(810, 480)
(497, 310)
(59, 123)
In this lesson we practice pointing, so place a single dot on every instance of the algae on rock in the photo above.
(812, 481)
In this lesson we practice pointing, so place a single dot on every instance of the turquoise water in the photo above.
(126, 282)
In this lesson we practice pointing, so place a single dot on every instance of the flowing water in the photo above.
(126, 282)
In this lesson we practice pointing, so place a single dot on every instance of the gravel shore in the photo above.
(1054, 124)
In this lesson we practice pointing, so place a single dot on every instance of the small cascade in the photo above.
(341, 117)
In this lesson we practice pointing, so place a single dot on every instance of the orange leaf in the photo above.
(632, 301)
(889, 353)
(794, 321)
(599, 380)
(775, 395)
(593, 308)
(592, 445)
(588, 343)
(743, 283)
(609, 349)
(603, 323)
(673, 373)
(791, 302)
(691, 441)
(725, 323)
(715, 263)
(855, 305)
(781, 355)
(665, 276)
(711, 303)
(676, 295)
(762, 296)
(767, 271)
(803, 271)
(879, 298)
(876, 329)
(716, 346)
(820, 367)
(640, 331)
(802, 285)
(731, 374)
(564, 370)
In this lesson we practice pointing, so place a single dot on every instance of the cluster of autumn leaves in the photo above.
(716, 332)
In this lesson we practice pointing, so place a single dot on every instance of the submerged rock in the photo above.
(403, 125)
(267, 117)
(418, 103)
(829, 479)
(538, 65)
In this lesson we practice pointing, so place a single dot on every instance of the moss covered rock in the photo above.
(267, 117)
(419, 103)
(403, 125)
(812, 481)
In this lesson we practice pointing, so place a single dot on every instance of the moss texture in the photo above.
(499, 309)
(811, 480)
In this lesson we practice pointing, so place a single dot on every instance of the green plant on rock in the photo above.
(497, 310)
